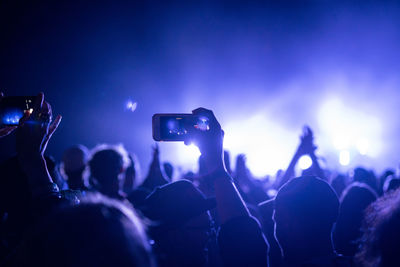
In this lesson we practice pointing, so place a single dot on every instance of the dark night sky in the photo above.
(235, 57)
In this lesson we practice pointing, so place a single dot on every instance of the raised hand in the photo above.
(210, 142)
(307, 146)
(155, 163)
(33, 133)
(35, 130)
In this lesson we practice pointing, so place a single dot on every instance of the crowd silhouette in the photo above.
(90, 209)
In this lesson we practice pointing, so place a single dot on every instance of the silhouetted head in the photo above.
(386, 174)
(381, 238)
(181, 222)
(391, 184)
(364, 176)
(97, 232)
(74, 163)
(305, 210)
(355, 199)
(75, 158)
(106, 165)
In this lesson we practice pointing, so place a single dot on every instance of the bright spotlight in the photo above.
(362, 146)
(267, 145)
(305, 162)
(349, 127)
(191, 151)
(181, 155)
(344, 157)
(341, 142)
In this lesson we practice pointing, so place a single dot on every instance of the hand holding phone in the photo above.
(177, 127)
(201, 127)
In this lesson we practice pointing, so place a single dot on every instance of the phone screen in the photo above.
(12, 109)
(177, 127)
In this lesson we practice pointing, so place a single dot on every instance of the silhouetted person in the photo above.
(107, 166)
(182, 221)
(381, 238)
(251, 189)
(306, 147)
(362, 175)
(266, 210)
(182, 227)
(354, 201)
(74, 161)
(306, 209)
(27, 189)
(155, 176)
(97, 232)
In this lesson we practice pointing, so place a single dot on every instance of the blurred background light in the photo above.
(344, 157)
(362, 146)
(305, 162)
(130, 105)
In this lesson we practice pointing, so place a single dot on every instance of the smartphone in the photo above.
(177, 127)
(12, 108)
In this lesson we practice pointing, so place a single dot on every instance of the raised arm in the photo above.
(306, 147)
(240, 239)
(33, 134)
(155, 176)
(210, 143)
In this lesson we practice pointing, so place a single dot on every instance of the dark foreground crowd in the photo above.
(90, 211)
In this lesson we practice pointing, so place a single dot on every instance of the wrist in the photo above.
(44, 190)
(218, 175)
(35, 168)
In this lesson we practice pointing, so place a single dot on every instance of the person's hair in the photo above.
(381, 232)
(97, 232)
(355, 199)
(310, 201)
(108, 160)
(362, 175)
(391, 183)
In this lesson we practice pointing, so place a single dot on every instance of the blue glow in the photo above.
(203, 124)
(12, 117)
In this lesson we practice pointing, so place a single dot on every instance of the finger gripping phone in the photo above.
(12, 109)
(177, 127)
